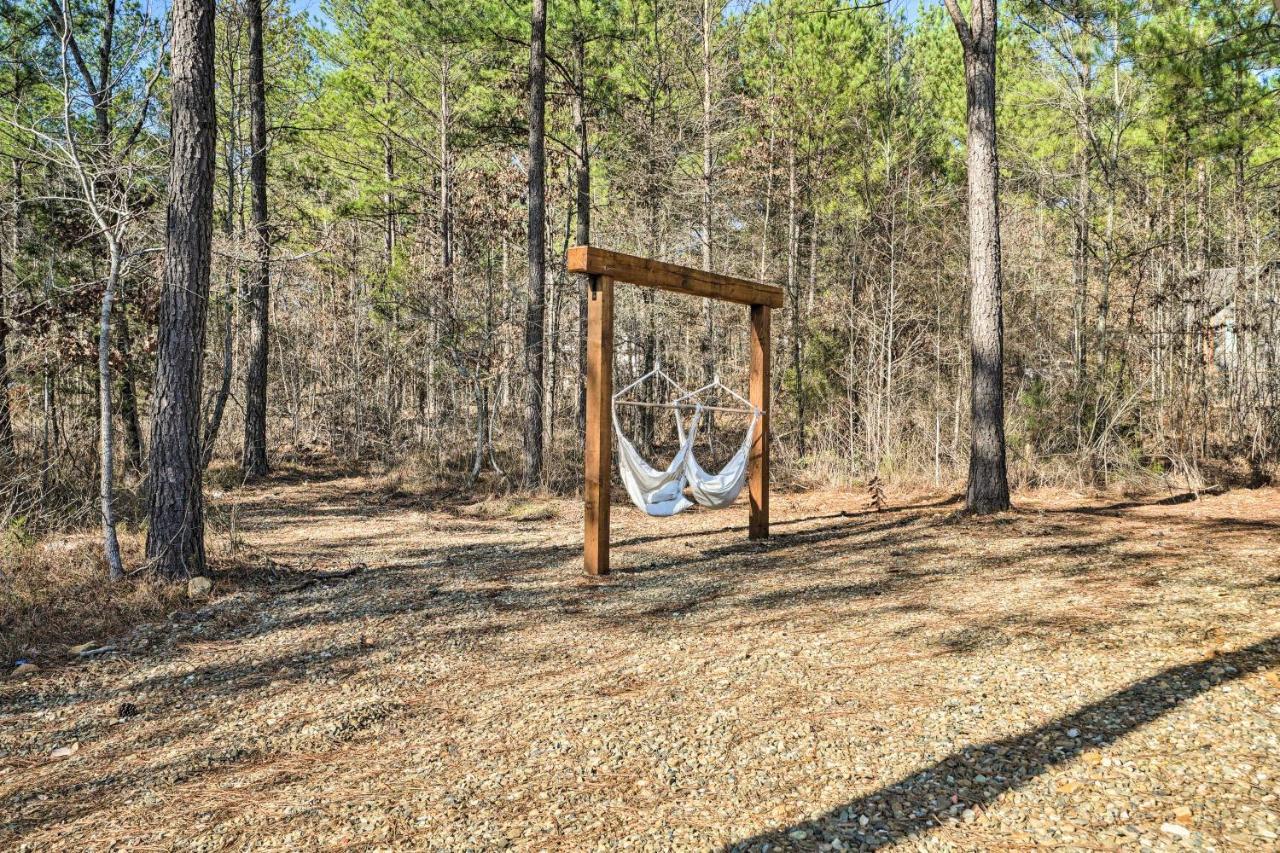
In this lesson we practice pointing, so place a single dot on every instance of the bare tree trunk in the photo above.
(175, 538)
(708, 176)
(214, 422)
(801, 396)
(48, 402)
(1108, 261)
(101, 94)
(988, 489)
(583, 217)
(106, 433)
(446, 181)
(129, 397)
(7, 448)
(553, 336)
(763, 275)
(6, 422)
(388, 199)
(1080, 260)
(230, 147)
(482, 417)
(481, 378)
(793, 288)
(255, 383)
(649, 336)
(533, 332)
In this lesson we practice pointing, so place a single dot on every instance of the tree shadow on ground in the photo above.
(784, 522)
(922, 801)
(503, 579)
(1119, 506)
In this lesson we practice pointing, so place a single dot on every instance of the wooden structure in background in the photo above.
(603, 268)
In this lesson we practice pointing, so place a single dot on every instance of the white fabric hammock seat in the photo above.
(657, 492)
(717, 491)
(661, 492)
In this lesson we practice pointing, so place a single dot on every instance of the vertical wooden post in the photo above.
(758, 461)
(598, 454)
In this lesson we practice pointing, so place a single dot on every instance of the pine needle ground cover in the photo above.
(1081, 672)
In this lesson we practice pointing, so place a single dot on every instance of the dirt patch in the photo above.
(1081, 672)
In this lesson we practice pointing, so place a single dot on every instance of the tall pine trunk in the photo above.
(988, 489)
(446, 181)
(582, 195)
(175, 537)
(255, 383)
(230, 145)
(7, 448)
(708, 177)
(533, 332)
(793, 290)
(1082, 248)
(6, 422)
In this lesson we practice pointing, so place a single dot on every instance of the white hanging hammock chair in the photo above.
(716, 491)
(657, 492)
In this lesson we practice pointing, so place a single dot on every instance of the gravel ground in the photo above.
(1079, 673)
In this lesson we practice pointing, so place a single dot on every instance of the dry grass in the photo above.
(56, 593)
(514, 508)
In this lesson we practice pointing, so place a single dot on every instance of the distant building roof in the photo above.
(1220, 284)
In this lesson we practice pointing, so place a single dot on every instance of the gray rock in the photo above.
(199, 587)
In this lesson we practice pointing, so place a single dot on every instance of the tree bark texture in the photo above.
(230, 144)
(708, 178)
(255, 383)
(988, 489)
(175, 538)
(6, 422)
(106, 434)
(533, 331)
(446, 180)
(129, 397)
(582, 237)
(6, 418)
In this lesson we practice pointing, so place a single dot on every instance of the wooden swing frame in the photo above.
(603, 268)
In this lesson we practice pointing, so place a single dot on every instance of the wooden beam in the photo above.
(758, 460)
(598, 454)
(590, 260)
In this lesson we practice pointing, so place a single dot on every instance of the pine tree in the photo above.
(988, 489)
(175, 536)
